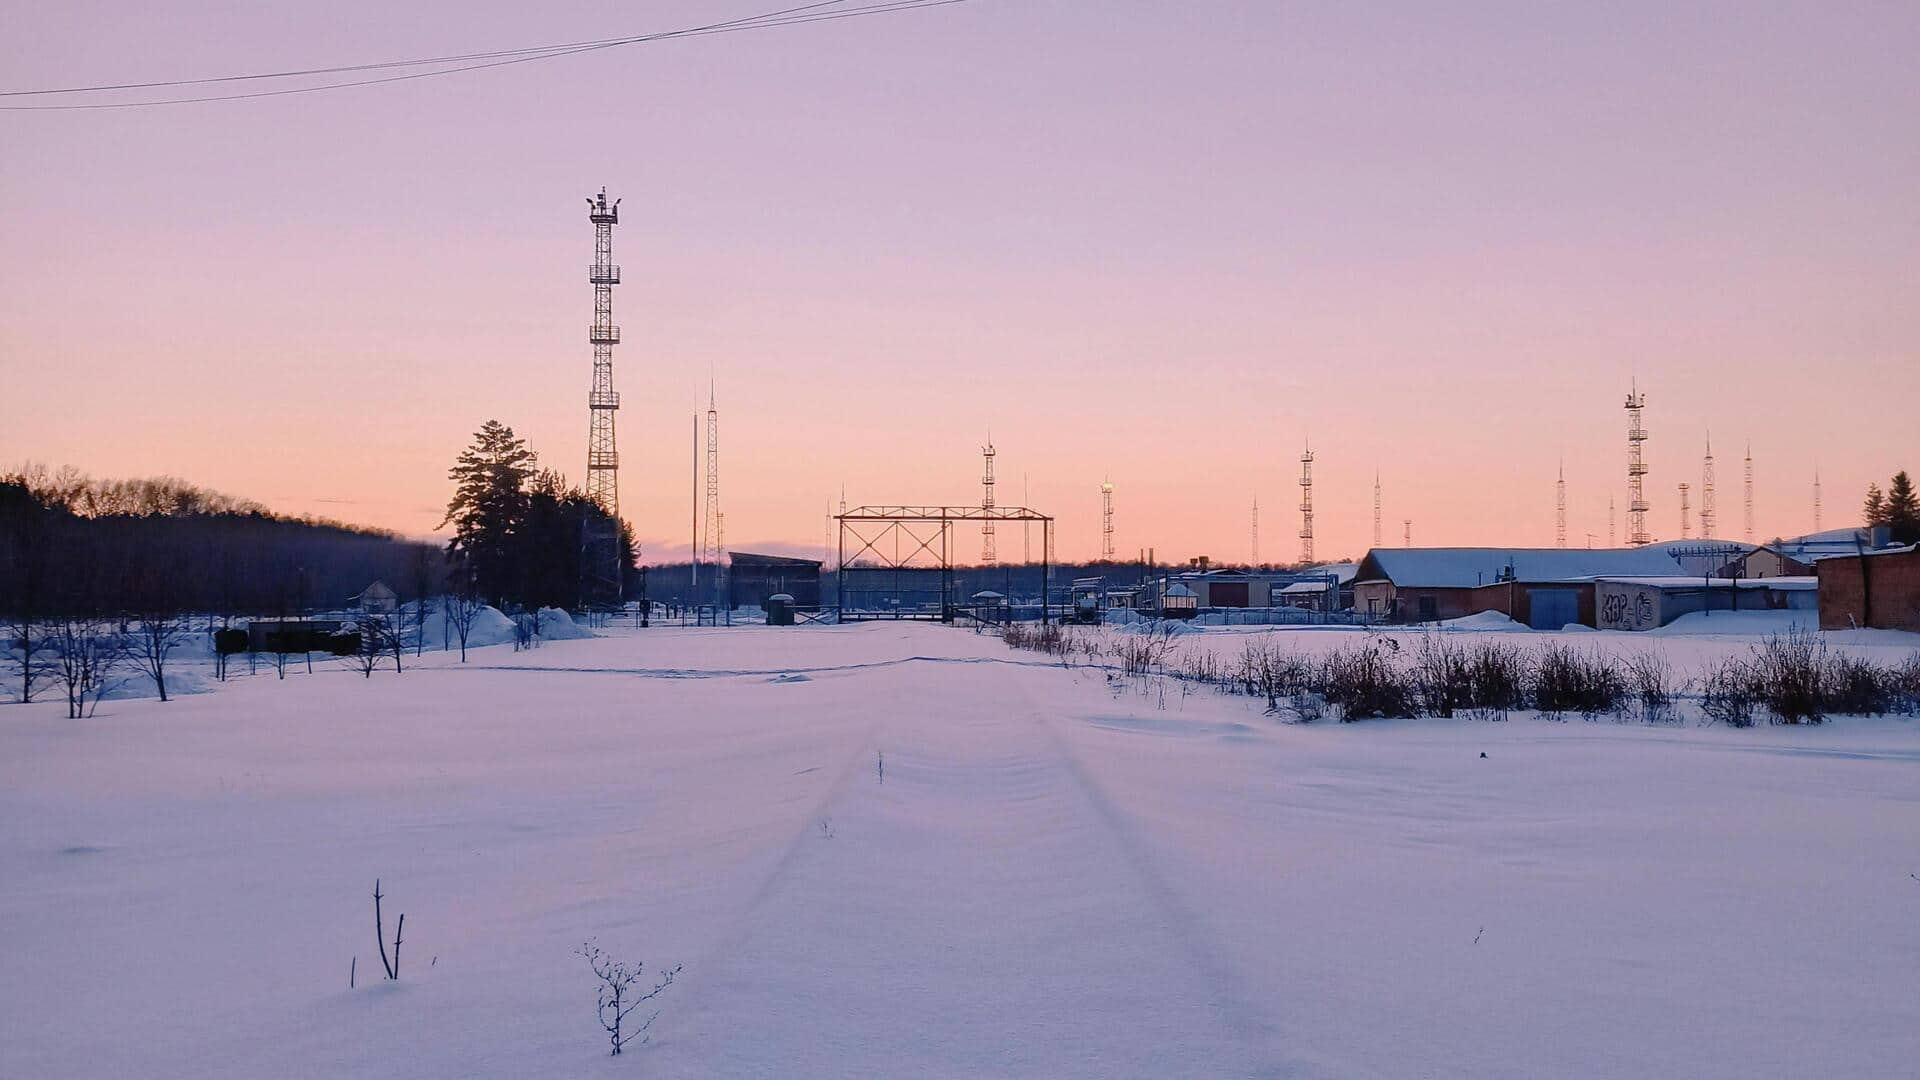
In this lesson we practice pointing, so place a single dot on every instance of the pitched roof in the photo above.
(1465, 568)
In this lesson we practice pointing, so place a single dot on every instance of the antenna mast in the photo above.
(1636, 471)
(1749, 485)
(600, 536)
(1560, 508)
(1306, 504)
(1255, 561)
(1686, 513)
(987, 554)
(1106, 520)
(1376, 508)
(715, 546)
(1709, 513)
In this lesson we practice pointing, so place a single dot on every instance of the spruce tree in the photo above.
(1902, 510)
(489, 503)
(1876, 507)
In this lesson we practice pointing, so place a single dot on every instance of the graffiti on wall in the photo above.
(1627, 609)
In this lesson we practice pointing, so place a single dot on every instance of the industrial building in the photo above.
(1545, 588)
(1647, 603)
(753, 579)
(1877, 588)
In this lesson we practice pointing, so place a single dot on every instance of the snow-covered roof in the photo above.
(1305, 587)
(1465, 568)
(1342, 571)
(1774, 584)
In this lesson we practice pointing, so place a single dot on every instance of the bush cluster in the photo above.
(1796, 679)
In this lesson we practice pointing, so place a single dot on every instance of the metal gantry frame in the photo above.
(892, 540)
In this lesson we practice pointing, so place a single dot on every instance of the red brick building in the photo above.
(1874, 588)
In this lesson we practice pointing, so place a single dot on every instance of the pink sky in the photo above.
(1161, 242)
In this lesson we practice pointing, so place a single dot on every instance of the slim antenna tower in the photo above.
(1376, 508)
(1636, 471)
(1255, 561)
(1816, 498)
(1306, 505)
(1686, 513)
(600, 537)
(987, 554)
(715, 547)
(1709, 513)
(1406, 536)
(1106, 520)
(693, 589)
(1026, 527)
(1560, 508)
(1613, 539)
(1749, 486)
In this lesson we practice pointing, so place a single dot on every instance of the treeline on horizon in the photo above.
(74, 545)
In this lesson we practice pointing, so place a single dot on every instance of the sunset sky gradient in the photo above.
(1161, 242)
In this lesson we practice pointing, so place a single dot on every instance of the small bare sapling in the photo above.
(620, 995)
(380, 935)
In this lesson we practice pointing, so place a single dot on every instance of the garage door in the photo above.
(1551, 609)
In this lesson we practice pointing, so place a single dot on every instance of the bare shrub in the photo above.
(86, 653)
(1906, 685)
(1568, 680)
(1860, 687)
(1363, 681)
(1730, 692)
(1440, 674)
(620, 995)
(1651, 688)
(1146, 652)
(1496, 678)
(1790, 669)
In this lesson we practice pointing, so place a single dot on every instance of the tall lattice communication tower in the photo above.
(1749, 493)
(1709, 513)
(600, 537)
(1255, 549)
(1106, 520)
(1816, 499)
(1306, 504)
(1613, 537)
(1376, 508)
(988, 556)
(1406, 533)
(1636, 471)
(1686, 512)
(713, 547)
(1560, 508)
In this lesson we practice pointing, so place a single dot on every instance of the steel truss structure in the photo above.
(900, 564)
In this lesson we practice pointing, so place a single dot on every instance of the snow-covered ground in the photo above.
(1049, 878)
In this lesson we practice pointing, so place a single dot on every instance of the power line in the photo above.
(795, 16)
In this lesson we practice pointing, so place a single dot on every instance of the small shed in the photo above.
(1178, 602)
(377, 599)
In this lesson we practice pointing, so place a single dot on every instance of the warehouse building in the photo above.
(1545, 588)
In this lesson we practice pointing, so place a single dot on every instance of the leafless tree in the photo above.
(463, 608)
(620, 995)
(422, 589)
(160, 632)
(86, 654)
(376, 632)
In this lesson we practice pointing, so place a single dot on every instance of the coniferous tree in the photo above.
(1875, 509)
(488, 504)
(1902, 510)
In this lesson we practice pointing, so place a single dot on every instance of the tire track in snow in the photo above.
(739, 673)
(1231, 1001)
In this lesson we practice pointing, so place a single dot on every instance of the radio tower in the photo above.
(1636, 471)
(1560, 508)
(1816, 498)
(1256, 532)
(600, 536)
(1306, 505)
(1686, 514)
(1376, 508)
(987, 554)
(1106, 520)
(1749, 486)
(1613, 539)
(1406, 535)
(714, 547)
(1709, 514)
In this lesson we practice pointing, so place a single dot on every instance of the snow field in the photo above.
(1053, 879)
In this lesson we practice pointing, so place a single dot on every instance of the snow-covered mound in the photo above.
(557, 625)
(1482, 620)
